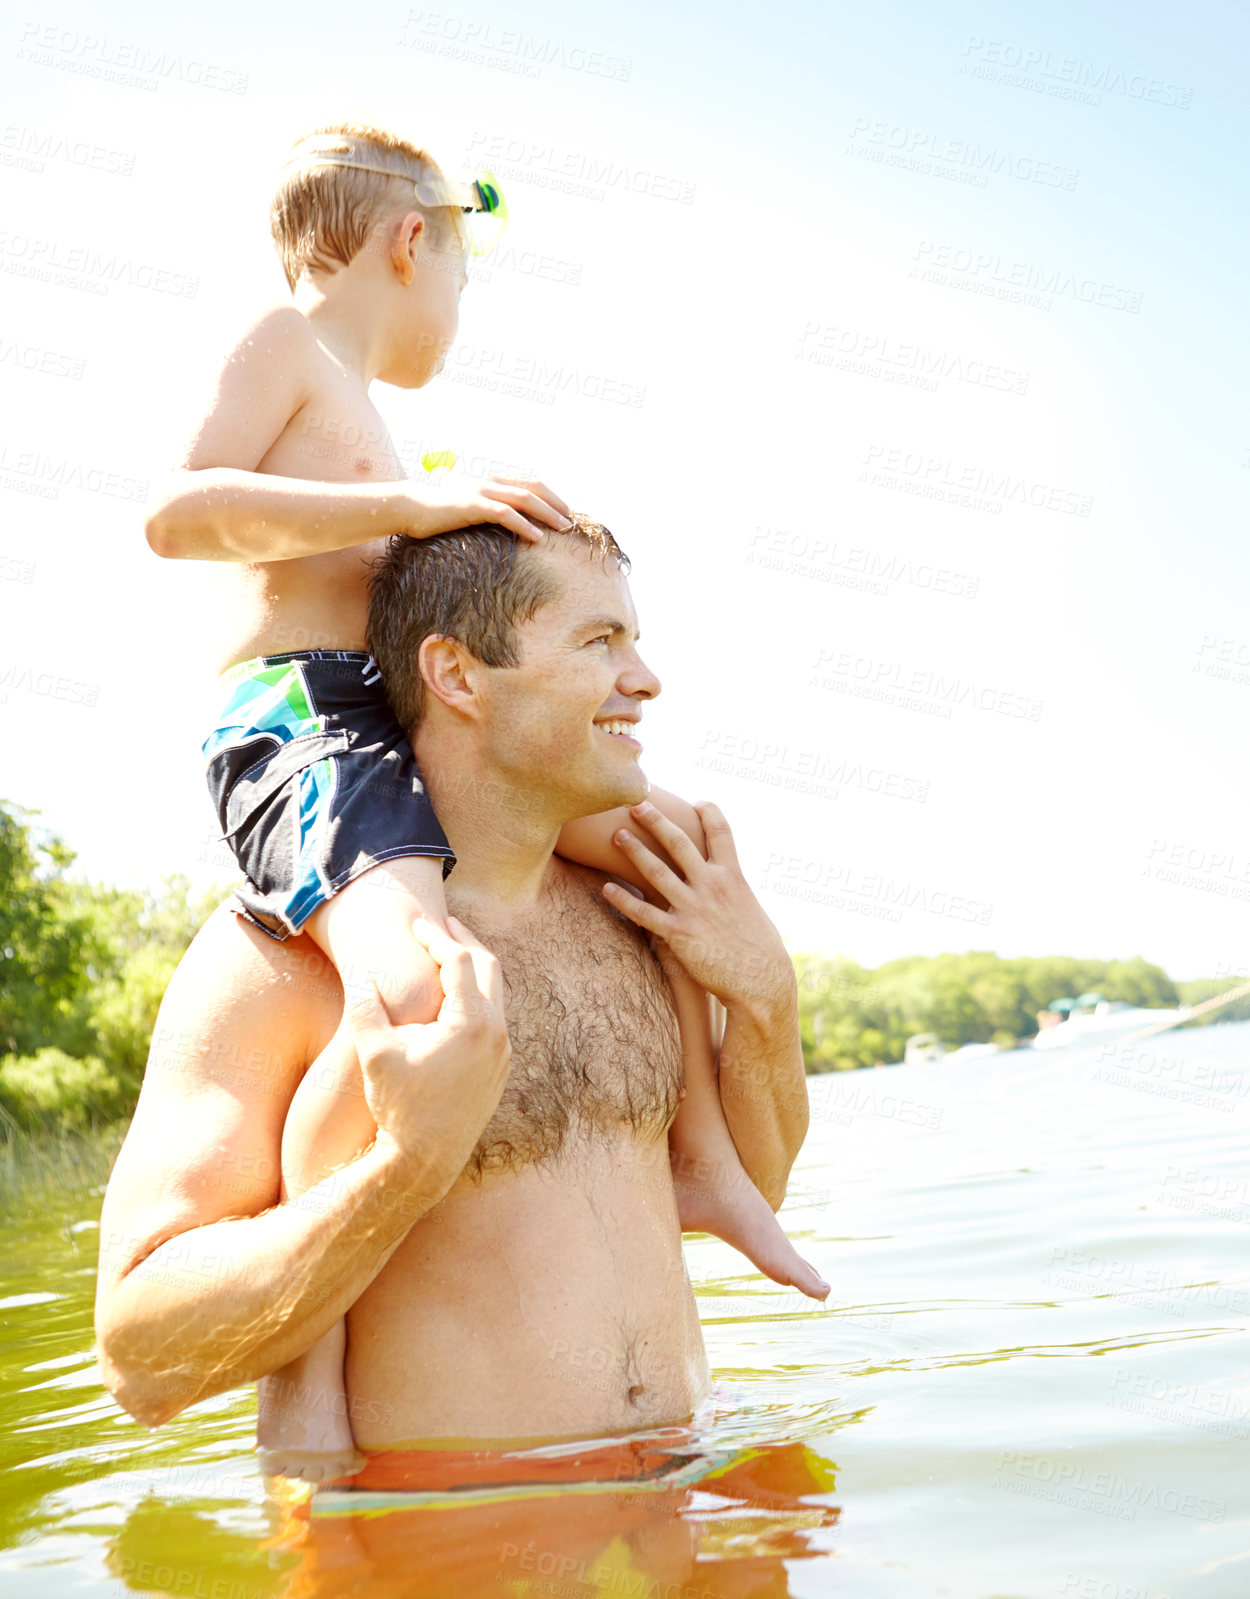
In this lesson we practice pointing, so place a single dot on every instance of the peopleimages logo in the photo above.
(796, 554)
(1070, 77)
(526, 54)
(585, 173)
(804, 771)
(873, 354)
(50, 473)
(125, 62)
(18, 678)
(1104, 1491)
(920, 148)
(915, 688)
(32, 149)
(530, 377)
(34, 358)
(850, 887)
(890, 466)
(78, 266)
(1025, 282)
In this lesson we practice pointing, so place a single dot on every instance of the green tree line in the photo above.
(851, 1016)
(83, 969)
(82, 972)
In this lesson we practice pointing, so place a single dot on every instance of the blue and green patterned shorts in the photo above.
(314, 782)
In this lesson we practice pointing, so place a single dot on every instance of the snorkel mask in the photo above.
(479, 200)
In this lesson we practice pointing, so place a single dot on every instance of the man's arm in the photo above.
(202, 1285)
(218, 505)
(718, 932)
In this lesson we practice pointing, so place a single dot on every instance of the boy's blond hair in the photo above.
(323, 214)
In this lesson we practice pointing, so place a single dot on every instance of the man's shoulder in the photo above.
(237, 947)
(235, 982)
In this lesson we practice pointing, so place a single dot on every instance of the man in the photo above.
(510, 1232)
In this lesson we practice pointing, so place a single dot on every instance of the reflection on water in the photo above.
(1033, 1379)
(747, 1510)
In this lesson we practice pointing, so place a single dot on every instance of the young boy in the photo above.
(292, 479)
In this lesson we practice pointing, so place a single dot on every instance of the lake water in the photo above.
(1032, 1382)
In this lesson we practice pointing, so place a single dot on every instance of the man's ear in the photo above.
(404, 236)
(449, 673)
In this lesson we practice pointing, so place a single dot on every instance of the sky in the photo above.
(902, 348)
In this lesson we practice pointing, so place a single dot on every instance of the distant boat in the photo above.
(922, 1049)
(1092, 1018)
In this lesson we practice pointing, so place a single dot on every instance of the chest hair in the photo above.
(595, 1045)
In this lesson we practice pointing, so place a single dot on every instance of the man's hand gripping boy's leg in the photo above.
(304, 1427)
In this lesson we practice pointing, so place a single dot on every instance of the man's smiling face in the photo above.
(565, 719)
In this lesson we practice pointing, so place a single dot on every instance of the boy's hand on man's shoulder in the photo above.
(523, 506)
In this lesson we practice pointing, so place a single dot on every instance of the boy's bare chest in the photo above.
(313, 601)
(338, 435)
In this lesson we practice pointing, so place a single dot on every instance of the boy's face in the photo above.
(434, 253)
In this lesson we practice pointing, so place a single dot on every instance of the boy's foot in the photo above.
(302, 1424)
(738, 1213)
(311, 1465)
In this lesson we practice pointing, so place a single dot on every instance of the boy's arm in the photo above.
(590, 840)
(717, 930)
(217, 506)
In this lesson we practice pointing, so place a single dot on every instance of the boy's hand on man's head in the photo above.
(522, 506)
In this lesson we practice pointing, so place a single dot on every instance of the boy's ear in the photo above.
(449, 673)
(404, 235)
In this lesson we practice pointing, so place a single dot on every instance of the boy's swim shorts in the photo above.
(314, 782)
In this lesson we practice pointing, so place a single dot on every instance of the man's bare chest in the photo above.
(595, 1045)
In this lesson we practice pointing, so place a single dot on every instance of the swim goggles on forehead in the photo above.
(480, 199)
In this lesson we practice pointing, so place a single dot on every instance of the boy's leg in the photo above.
(714, 1193)
(311, 775)
(366, 929)
(303, 1416)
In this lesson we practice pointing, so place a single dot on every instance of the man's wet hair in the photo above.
(476, 585)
